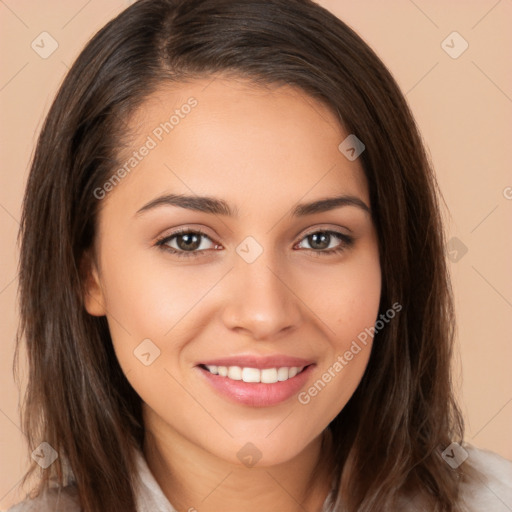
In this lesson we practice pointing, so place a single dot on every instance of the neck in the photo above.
(193, 479)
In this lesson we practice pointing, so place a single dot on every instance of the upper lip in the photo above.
(260, 362)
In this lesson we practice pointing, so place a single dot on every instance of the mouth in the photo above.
(257, 382)
(255, 375)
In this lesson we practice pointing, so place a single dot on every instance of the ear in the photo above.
(93, 296)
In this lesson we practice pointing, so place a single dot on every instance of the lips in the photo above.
(255, 380)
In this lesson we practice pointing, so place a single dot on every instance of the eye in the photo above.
(189, 243)
(321, 242)
(185, 242)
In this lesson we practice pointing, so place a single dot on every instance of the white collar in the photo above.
(149, 495)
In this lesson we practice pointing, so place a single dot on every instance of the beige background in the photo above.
(463, 107)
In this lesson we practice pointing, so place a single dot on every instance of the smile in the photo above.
(265, 376)
(256, 387)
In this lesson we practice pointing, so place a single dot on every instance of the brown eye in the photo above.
(320, 241)
(188, 241)
(185, 243)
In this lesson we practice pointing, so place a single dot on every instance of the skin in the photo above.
(262, 150)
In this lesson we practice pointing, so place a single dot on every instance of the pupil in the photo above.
(192, 241)
(320, 240)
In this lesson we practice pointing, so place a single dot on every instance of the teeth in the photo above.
(235, 373)
(267, 375)
(282, 374)
(251, 375)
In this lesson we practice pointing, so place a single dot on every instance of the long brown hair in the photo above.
(388, 438)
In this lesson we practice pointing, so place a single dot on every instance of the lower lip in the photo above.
(257, 394)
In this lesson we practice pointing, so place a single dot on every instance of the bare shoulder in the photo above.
(492, 491)
(53, 500)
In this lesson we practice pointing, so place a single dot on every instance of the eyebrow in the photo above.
(220, 207)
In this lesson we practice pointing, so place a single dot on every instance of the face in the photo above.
(239, 318)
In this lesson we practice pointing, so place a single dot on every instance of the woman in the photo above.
(233, 286)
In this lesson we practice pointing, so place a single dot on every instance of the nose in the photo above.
(261, 302)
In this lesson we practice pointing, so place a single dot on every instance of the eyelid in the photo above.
(324, 228)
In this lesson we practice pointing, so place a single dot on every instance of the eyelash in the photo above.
(346, 242)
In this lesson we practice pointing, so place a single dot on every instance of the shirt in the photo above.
(493, 493)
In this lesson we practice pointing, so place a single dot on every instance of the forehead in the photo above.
(245, 143)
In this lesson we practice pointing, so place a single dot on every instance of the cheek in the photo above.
(348, 300)
(349, 306)
(359, 297)
(154, 310)
(147, 297)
